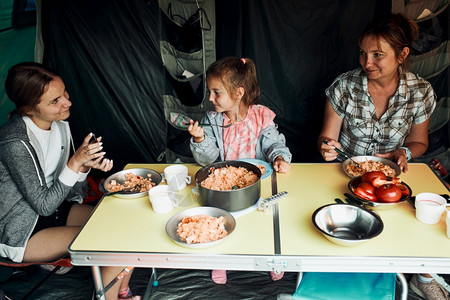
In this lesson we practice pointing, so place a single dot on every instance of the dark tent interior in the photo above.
(124, 64)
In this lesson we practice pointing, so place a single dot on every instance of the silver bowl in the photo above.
(347, 225)
(119, 177)
(231, 200)
(364, 158)
(172, 224)
(353, 184)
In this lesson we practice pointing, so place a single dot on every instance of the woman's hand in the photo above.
(196, 131)
(327, 150)
(79, 162)
(101, 163)
(280, 165)
(399, 156)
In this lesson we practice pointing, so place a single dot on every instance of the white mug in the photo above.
(429, 207)
(162, 199)
(448, 224)
(176, 177)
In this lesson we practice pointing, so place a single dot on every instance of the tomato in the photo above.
(388, 193)
(404, 189)
(367, 187)
(370, 176)
(365, 195)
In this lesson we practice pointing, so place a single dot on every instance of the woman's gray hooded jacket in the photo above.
(24, 194)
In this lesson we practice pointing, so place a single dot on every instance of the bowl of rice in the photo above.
(200, 227)
(370, 163)
(132, 183)
(230, 185)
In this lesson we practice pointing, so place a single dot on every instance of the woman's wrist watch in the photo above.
(408, 153)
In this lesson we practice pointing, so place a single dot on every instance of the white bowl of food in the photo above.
(132, 183)
(200, 227)
(370, 163)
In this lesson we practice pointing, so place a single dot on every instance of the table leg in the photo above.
(153, 282)
(98, 283)
(401, 278)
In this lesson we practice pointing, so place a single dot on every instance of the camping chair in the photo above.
(8, 266)
(318, 285)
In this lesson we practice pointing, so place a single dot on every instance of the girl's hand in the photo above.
(327, 150)
(398, 156)
(85, 153)
(196, 131)
(280, 165)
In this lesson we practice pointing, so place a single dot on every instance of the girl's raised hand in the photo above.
(196, 131)
(281, 166)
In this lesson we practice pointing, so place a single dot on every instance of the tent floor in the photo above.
(173, 284)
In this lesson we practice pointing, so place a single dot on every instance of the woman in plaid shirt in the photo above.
(380, 108)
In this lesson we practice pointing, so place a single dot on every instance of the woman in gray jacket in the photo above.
(41, 185)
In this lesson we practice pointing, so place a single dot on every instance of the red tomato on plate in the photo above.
(388, 193)
(367, 187)
(370, 176)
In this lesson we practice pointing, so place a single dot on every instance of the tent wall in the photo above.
(108, 54)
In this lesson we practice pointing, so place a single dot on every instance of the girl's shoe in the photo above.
(275, 276)
(219, 276)
(127, 294)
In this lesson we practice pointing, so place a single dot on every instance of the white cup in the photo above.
(177, 177)
(162, 199)
(448, 224)
(429, 207)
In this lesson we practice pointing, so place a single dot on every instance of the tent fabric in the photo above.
(107, 53)
(109, 56)
(174, 284)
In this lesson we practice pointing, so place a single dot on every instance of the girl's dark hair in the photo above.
(236, 72)
(25, 84)
(396, 29)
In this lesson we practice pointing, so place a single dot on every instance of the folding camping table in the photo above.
(283, 239)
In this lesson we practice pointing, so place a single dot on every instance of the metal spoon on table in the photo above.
(343, 153)
(181, 121)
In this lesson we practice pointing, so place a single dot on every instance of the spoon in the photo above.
(182, 122)
(343, 153)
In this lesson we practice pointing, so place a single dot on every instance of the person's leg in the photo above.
(49, 244)
(78, 214)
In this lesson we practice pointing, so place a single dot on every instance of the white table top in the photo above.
(405, 245)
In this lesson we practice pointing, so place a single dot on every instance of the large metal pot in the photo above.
(233, 200)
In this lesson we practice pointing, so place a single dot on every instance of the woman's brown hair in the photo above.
(396, 29)
(25, 84)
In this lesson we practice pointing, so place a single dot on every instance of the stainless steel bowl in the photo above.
(172, 224)
(347, 225)
(119, 177)
(233, 200)
(353, 184)
(364, 158)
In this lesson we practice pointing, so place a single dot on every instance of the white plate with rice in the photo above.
(172, 224)
(371, 163)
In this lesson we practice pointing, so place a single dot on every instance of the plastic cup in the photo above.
(177, 177)
(429, 207)
(448, 224)
(162, 199)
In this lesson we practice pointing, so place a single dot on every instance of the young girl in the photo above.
(234, 92)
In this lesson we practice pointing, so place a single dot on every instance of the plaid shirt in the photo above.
(362, 133)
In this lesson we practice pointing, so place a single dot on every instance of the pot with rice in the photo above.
(231, 185)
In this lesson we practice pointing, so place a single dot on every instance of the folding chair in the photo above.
(335, 286)
(8, 266)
